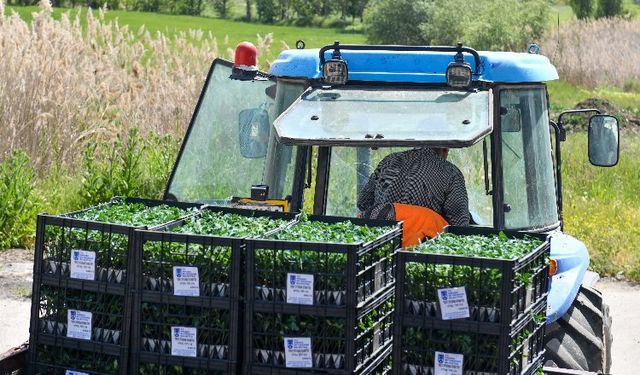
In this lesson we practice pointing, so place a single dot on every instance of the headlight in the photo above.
(335, 72)
(459, 74)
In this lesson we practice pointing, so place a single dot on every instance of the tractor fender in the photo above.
(573, 259)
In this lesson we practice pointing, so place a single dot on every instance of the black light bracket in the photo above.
(336, 47)
(336, 51)
(459, 56)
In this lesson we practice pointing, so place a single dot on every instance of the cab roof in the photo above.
(417, 66)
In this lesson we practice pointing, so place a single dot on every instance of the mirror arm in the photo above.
(560, 133)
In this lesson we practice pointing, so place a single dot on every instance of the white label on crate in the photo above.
(297, 352)
(184, 341)
(71, 372)
(448, 364)
(453, 303)
(186, 281)
(300, 288)
(79, 324)
(83, 264)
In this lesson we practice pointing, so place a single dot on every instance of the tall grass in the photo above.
(90, 109)
(62, 84)
(597, 53)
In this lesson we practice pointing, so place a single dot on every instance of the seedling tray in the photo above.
(502, 295)
(213, 309)
(103, 291)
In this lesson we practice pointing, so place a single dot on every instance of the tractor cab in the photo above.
(308, 134)
(325, 118)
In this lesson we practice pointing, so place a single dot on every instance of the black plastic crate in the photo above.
(502, 295)
(497, 290)
(76, 323)
(355, 341)
(344, 275)
(487, 350)
(102, 290)
(211, 309)
(58, 236)
(345, 315)
(59, 357)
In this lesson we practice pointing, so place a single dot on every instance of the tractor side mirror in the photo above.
(604, 140)
(253, 133)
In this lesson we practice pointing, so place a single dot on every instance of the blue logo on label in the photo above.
(292, 279)
(176, 332)
(72, 315)
(290, 344)
(76, 255)
(444, 295)
(178, 272)
(440, 358)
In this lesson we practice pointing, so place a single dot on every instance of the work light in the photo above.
(335, 72)
(459, 74)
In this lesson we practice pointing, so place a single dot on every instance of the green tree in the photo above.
(305, 10)
(398, 21)
(221, 7)
(582, 8)
(267, 10)
(488, 24)
(248, 10)
(609, 8)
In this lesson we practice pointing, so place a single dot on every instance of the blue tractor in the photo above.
(307, 135)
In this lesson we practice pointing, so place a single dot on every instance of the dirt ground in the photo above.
(16, 267)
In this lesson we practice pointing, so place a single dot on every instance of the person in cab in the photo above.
(419, 187)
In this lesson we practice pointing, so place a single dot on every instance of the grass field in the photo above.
(601, 205)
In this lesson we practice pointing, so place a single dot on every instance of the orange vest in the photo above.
(419, 222)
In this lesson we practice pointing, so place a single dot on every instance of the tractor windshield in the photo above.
(229, 145)
(352, 167)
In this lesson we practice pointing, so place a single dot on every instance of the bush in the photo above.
(582, 8)
(18, 205)
(491, 25)
(609, 8)
(334, 22)
(127, 166)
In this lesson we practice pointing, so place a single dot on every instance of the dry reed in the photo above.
(594, 53)
(62, 83)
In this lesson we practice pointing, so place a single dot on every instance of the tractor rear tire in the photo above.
(581, 339)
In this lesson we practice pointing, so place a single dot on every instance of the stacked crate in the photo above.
(81, 306)
(187, 310)
(471, 315)
(314, 307)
